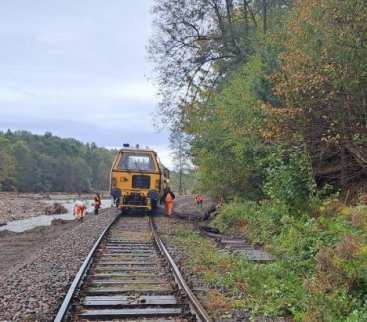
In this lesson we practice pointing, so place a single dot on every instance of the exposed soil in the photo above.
(38, 265)
(19, 206)
(186, 208)
(14, 206)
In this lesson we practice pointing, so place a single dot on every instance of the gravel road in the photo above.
(34, 286)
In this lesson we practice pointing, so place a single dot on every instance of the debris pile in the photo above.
(55, 209)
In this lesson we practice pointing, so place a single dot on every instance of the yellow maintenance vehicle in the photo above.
(138, 179)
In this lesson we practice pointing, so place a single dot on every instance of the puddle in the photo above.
(21, 225)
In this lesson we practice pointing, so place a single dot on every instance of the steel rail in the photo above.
(199, 310)
(64, 308)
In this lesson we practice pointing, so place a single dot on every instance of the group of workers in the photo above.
(80, 208)
(168, 198)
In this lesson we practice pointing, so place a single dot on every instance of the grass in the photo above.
(321, 271)
(235, 282)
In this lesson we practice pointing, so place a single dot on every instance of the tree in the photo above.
(48, 163)
(323, 79)
(7, 163)
(179, 145)
(226, 144)
(197, 43)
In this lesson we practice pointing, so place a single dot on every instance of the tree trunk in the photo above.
(265, 16)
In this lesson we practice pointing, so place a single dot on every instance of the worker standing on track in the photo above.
(97, 203)
(79, 210)
(168, 202)
(199, 200)
(116, 194)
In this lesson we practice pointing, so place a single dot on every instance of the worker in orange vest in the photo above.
(168, 202)
(79, 210)
(97, 203)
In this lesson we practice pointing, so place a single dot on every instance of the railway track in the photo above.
(130, 276)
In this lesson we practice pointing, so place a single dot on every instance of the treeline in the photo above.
(270, 96)
(266, 91)
(42, 163)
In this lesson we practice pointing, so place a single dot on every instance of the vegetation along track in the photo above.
(130, 276)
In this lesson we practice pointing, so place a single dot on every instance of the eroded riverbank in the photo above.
(16, 206)
(22, 212)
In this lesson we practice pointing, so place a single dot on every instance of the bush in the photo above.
(289, 180)
(321, 269)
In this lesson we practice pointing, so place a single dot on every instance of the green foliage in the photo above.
(323, 78)
(34, 163)
(288, 114)
(321, 269)
(289, 179)
(7, 163)
(226, 144)
(189, 181)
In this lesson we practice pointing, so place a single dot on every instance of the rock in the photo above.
(55, 209)
(59, 222)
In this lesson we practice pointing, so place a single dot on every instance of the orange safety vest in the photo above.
(169, 198)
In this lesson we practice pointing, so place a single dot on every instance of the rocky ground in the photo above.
(220, 305)
(14, 206)
(188, 215)
(210, 298)
(19, 206)
(37, 266)
(186, 208)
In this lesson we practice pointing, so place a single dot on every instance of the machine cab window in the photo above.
(136, 162)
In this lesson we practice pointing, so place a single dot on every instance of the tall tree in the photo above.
(323, 80)
(196, 43)
(179, 145)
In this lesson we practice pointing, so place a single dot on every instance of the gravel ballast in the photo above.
(33, 290)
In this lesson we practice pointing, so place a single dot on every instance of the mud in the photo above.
(15, 206)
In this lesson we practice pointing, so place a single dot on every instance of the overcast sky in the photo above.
(78, 68)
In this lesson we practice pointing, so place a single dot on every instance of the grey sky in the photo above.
(78, 68)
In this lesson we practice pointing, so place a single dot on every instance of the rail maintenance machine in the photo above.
(138, 179)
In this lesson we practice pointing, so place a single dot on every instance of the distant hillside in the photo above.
(38, 163)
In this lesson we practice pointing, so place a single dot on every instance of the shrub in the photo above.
(320, 273)
(289, 180)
